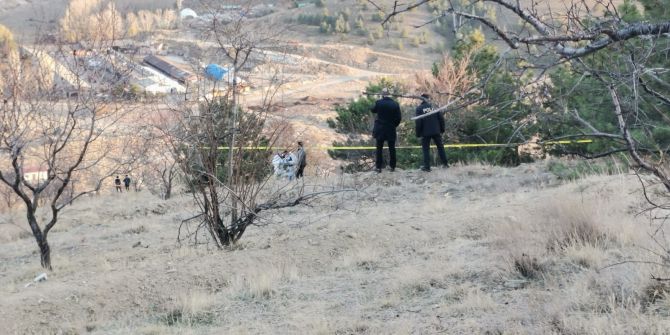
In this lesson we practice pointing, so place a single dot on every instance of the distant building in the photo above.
(153, 82)
(187, 13)
(170, 69)
(55, 74)
(35, 174)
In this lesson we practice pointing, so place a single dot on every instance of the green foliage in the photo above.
(327, 24)
(378, 32)
(342, 25)
(474, 42)
(378, 17)
(629, 11)
(251, 164)
(576, 92)
(359, 23)
(325, 27)
(655, 10)
(415, 42)
(310, 19)
(356, 117)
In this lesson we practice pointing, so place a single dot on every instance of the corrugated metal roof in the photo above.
(170, 69)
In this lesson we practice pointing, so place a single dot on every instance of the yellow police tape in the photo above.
(457, 146)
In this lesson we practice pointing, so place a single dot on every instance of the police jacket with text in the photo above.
(431, 125)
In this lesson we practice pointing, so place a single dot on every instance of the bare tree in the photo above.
(239, 40)
(158, 169)
(62, 126)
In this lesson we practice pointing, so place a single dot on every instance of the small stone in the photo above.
(41, 277)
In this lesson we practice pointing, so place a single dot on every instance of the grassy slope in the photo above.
(410, 253)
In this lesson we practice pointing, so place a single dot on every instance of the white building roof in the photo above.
(188, 13)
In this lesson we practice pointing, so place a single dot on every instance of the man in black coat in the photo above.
(430, 128)
(388, 119)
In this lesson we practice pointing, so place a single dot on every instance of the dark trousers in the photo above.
(380, 156)
(299, 173)
(425, 147)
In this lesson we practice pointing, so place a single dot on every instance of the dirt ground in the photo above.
(471, 249)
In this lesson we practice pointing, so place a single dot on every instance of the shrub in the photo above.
(528, 267)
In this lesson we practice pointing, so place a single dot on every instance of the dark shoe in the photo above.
(378, 170)
(445, 166)
(425, 169)
(392, 170)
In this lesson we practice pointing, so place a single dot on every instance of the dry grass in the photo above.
(503, 252)
(573, 224)
(527, 266)
(475, 301)
(261, 281)
(191, 308)
(364, 257)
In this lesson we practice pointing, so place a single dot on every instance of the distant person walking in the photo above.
(126, 183)
(430, 128)
(117, 183)
(388, 119)
(301, 157)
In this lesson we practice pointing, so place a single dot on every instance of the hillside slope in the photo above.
(472, 249)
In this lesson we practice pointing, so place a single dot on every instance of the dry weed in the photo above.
(365, 257)
(136, 230)
(587, 256)
(574, 226)
(527, 266)
(412, 281)
(191, 308)
(262, 281)
(475, 301)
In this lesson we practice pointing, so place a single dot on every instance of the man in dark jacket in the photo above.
(126, 183)
(301, 156)
(117, 183)
(430, 128)
(388, 119)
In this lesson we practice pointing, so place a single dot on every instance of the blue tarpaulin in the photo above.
(215, 72)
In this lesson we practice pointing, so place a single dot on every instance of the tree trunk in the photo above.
(168, 191)
(45, 253)
(41, 239)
